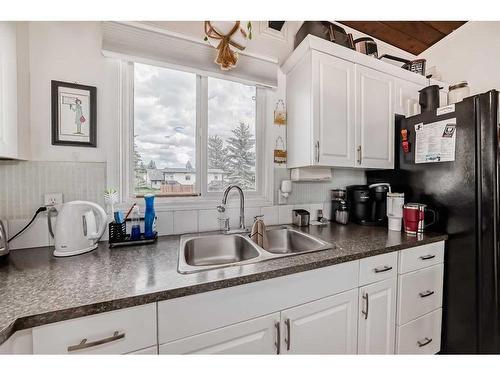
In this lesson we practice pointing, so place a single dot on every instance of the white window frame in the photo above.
(263, 196)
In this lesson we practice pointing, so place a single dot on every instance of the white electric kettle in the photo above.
(76, 230)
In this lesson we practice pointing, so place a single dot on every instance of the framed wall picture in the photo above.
(74, 119)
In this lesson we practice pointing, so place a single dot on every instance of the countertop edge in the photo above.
(37, 320)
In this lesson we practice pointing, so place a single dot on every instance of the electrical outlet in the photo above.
(51, 199)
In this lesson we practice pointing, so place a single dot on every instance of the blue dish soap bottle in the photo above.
(149, 216)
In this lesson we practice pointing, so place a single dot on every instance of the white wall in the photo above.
(470, 53)
(71, 52)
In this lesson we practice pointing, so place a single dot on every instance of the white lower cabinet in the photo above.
(256, 336)
(377, 317)
(421, 336)
(152, 350)
(326, 326)
(115, 332)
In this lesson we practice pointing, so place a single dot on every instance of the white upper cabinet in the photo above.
(333, 113)
(374, 119)
(342, 104)
(406, 97)
(8, 91)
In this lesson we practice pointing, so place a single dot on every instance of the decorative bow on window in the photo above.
(225, 36)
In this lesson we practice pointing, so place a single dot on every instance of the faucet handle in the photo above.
(221, 208)
(225, 220)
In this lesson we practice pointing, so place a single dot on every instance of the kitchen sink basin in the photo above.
(215, 251)
(290, 241)
(206, 252)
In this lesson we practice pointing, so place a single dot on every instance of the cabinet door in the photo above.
(377, 318)
(333, 111)
(256, 336)
(406, 95)
(8, 90)
(325, 326)
(374, 119)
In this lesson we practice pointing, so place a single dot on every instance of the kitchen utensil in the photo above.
(300, 217)
(429, 98)
(414, 217)
(79, 226)
(395, 202)
(342, 213)
(378, 194)
(367, 204)
(458, 92)
(415, 66)
(4, 244)
(338, 193)
(325, 30)
(366, 46)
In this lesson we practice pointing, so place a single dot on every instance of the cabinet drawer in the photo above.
(115, 332)
(421, 257)
(378, 268)
(152, 350)
(419, 293)
(421, 336)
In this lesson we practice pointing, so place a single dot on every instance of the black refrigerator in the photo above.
(465, 194)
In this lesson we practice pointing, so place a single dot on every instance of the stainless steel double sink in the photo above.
(205, 252)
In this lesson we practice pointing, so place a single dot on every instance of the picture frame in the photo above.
(74, 114)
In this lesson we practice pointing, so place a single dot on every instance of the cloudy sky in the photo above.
(165, 113)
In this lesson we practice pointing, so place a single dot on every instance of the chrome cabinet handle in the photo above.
(382, 269)
(427, 293)
(278, 337)
(316, 148)
(424, 342)
(359, 154)
(84, 344)
(427, 257)
(288, 335)
(367, 304)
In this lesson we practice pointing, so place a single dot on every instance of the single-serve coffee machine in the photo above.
(368, 203)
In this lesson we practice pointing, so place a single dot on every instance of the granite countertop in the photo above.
(37, 288)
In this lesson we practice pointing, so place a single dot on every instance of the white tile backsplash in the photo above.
(185, 221)
(165, 223)
(250, 214)
(313, 210)
(208, 220)
(270, 215)
(285, 214)
(37, 236)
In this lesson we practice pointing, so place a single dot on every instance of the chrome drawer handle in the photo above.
(383, 269)
(427, 293)
(424, 342)
(427, 257)
(278, 337)
(84, 344)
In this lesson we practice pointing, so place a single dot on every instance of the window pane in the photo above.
(231, 135)
(164, 131)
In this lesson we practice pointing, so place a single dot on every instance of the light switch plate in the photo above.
(51, 199)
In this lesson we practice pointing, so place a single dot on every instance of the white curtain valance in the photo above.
(136, 42)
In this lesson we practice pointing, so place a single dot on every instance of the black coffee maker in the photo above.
(368, 203)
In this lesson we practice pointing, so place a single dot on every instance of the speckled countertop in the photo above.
(37, 288)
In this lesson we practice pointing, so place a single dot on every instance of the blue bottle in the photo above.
(149, 216)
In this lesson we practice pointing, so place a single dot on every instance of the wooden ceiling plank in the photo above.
(445, 27)
(389, 35)
(417, 30)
